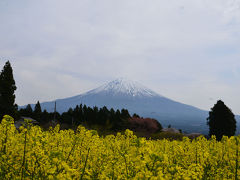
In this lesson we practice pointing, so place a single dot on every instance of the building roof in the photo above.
(172, 130)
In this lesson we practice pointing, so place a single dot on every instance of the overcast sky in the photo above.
(186, 50)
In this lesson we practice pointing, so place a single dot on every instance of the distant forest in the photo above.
(101, 119)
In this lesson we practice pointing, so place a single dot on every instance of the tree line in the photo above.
(221, 120)
(81, 115)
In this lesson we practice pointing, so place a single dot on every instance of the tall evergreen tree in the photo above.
(221, 121)
(45, 116)
(37, 112)
(125, 114)
(7, 89)
(27, 111)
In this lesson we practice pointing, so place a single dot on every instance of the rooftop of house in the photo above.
(172, 130)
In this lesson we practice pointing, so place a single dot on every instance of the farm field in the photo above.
(31, 153)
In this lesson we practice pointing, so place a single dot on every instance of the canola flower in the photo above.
(31, 153)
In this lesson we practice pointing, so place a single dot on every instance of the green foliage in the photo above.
(136, 115)
(103, 120)
(167, 135)
(37, 112)
(221, 121)
(94, 118)
(7, 89)
(27, 112)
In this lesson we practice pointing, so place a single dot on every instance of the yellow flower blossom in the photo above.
(31, 153)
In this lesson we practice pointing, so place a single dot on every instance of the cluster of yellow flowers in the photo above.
(31, 153)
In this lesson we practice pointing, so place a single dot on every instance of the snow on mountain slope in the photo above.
(124, 86)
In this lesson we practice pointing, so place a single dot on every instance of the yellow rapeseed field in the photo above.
(31, 153)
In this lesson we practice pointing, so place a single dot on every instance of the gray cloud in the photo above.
(185, 50)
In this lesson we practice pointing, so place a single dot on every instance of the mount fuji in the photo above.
(131, 95)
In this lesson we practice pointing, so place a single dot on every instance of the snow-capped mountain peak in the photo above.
(125, 87)
(131, 95)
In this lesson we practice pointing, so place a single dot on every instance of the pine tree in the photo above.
(221, 121)
(29, 110)
(7, 89)
(125, 114)
(37, 112)
(44, 116)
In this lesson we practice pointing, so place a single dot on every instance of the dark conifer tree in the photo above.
(136, 115)
(117, 116)
(84, 110)
(66, 118)
(29, 110)
(95, 114)
(112, 112)
(37, 112)
(7, 89)
(125, 114)
(76, 115)
(221, 121)
(79, 119)
(90, 116)
(45, 116)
